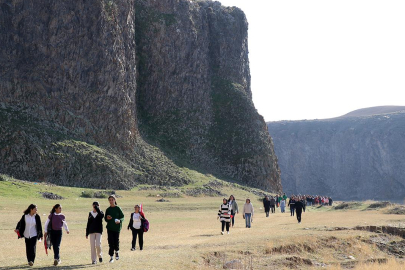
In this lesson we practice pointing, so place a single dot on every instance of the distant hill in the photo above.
(358, 156)
(374, 111)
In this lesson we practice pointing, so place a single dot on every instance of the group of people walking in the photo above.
(229, 208)
(297, 204)
(30, 228)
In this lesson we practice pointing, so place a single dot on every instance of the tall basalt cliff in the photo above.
(116, 93)
(359, 157)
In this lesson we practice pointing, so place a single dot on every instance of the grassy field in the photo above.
(185, 234)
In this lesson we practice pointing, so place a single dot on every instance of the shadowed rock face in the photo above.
(72, 62)
(194, 96)
(85, 83)
(347, 158)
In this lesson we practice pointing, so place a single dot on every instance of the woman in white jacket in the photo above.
(248, 213)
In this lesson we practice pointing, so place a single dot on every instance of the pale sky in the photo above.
(319, 59)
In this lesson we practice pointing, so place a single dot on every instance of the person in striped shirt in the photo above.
(224, 215)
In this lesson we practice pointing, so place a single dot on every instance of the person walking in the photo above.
(135, 224)
(266, 205)
(291, 204)
(56, 221)
(224, 215)
(299, 206)
(277, 201)
(30, 228)
(94, 229)
(272, 205)
(248, 213)
(282, 206)
(234, 208)
(114, 218)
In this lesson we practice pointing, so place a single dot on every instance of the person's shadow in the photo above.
(78, 266)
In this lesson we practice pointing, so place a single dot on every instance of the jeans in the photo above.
(113, 242)
(248, 217)
(233, 217)
(273, 209)
(30, 248)
(224, 223)
(56, 238)
(292, 211)
(95, 246)
(135, 233)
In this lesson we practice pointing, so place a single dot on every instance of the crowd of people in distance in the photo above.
(30, 228)
(297, 204)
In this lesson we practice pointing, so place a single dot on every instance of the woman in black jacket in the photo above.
(291, 204)
(266, 205)
(135, 224)
(30, 228)
(95, 230)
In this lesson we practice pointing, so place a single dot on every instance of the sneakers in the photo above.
(112, 259)
(56, 262)
(30, 263)
(132, 249)
(100, 260)
(94, 262)
(117, 257)
(227, 232)
(222, 233)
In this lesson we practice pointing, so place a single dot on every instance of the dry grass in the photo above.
(185, 234)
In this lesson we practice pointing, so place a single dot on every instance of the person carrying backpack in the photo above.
(136, 225)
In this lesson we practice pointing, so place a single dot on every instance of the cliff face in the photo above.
(347, 158)
(85, 83)
(194, 97)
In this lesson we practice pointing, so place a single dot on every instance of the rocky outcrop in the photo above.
(115, 93)
(194, 97)
(347, 158)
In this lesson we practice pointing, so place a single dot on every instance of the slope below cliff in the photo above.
(116, 93)
(347, 158)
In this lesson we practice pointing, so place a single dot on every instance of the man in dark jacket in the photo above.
(299, 206)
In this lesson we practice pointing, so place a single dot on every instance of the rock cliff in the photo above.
(115, 93)
(358, 157)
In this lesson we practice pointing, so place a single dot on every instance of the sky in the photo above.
(320, 59)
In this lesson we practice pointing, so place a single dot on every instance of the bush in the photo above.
(87, 194)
